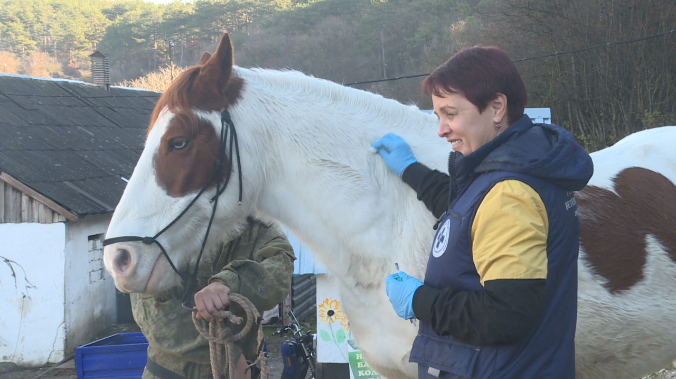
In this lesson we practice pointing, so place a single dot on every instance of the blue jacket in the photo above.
(546, 158)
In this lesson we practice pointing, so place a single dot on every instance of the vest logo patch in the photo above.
(441, 240)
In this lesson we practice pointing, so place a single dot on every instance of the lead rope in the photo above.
(219, 334)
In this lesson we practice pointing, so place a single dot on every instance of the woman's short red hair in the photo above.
(480, 73)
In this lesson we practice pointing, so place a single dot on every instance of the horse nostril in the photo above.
(122, 260)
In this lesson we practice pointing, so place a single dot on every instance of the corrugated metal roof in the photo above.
(72, 141)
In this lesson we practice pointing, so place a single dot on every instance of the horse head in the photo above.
(182, 159)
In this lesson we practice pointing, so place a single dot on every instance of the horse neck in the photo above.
(318, 176)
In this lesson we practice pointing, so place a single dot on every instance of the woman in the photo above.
(500, 293)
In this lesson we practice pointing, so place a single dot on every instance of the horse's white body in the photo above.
(317, 175)
(306, 162)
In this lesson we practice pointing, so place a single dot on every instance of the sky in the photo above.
(162, 1)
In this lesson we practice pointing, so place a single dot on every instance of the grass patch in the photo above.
(269, 329)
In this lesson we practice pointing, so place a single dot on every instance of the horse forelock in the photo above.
(175, 98)
(187, 93)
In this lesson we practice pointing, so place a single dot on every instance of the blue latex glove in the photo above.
(395, 151)
(400, 289)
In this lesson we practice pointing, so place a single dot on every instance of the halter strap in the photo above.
(227, 128)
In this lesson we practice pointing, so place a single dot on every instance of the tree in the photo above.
(604, 94)
(9, 63)
(155, 81)
(133, 39)
(18, 21)
(40, 64)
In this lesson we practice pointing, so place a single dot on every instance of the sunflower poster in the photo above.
(333, 330)
(334, 338)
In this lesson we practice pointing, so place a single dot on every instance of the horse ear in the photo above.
(205, 58)
(219, 66)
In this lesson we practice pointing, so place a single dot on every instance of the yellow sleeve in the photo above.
(509, 233)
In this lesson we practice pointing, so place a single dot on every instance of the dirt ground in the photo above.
(67, 369)
(666, 373)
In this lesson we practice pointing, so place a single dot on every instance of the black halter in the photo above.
(226, 120)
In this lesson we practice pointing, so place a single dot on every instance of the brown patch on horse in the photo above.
(208, 86)
(187, 170)
(614, 226)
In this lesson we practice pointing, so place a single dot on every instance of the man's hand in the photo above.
(210, 299)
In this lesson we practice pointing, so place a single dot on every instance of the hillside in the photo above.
(600, 94)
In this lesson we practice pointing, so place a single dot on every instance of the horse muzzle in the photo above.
(134, 266)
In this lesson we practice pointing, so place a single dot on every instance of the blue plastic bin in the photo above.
(121, 355)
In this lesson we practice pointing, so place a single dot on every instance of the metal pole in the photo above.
(171, 63)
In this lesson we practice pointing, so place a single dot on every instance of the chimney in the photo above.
(100, 70)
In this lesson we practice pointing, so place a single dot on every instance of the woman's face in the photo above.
(461, 123)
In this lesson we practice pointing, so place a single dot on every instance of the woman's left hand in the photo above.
(400, 289)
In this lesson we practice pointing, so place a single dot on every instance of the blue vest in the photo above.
(549, 351)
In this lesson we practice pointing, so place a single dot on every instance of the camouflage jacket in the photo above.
(258, 264)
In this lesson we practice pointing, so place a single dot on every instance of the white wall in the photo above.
(306, 262)
(32, 293)
(537, 115)
(90, 293)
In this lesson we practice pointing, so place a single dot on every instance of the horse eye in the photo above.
(179, 143)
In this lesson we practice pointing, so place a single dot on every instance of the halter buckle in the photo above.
(225, 115)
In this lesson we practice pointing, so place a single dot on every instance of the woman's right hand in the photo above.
(395, 151)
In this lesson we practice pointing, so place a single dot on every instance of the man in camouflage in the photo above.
(258, 264)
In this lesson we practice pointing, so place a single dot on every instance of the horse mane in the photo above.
(175, 98)
(324, 92)
(328, 93)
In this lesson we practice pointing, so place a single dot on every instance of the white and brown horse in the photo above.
(305, 161)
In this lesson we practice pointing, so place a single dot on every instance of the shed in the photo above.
(66, 150)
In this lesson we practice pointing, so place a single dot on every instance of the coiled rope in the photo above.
(218, 334)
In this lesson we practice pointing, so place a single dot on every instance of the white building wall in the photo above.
(537, 115)
(306, 262)
(90, 291)
(32, 329)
